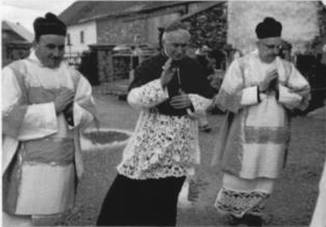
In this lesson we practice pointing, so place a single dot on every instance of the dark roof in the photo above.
(82, 11)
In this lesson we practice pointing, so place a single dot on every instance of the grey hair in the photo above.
(173, 28)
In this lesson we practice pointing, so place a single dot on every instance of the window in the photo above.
(82, 37)
(68, 40)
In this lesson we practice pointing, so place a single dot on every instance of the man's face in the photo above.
(269, 48)
(176, 43)
(50, 50)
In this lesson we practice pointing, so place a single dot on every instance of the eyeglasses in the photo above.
(182, 45)
(272, 46)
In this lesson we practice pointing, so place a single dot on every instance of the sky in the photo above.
(25, 11)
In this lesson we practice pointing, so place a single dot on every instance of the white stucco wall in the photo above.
(90, 36)
(298, 18)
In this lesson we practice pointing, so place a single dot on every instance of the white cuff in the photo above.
(249, 96)
(200, 105)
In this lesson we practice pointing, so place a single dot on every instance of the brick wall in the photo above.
(118, 31)
(124, 29)
(208, 27)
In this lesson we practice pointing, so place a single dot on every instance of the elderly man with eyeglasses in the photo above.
(171, 92)
(258, 92)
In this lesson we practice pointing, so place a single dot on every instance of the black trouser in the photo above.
(141, 202)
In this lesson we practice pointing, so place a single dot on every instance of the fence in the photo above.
(73, 59)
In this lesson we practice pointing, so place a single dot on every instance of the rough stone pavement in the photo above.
(292, 202)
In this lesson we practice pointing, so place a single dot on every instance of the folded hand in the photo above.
(65, 98)
(270, 82)
(180, 101)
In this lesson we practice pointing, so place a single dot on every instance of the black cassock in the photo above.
(153, 202)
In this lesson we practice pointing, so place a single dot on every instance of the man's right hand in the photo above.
(269, 82)
(63, 100)
(167, 73)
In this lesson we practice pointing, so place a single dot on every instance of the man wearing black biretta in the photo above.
(269, 28)
(46, 105)
(50, 24)
(258, 91)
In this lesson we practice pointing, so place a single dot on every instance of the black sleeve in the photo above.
(147, 71)
(68, 114)
(141, 73)
(203, 85)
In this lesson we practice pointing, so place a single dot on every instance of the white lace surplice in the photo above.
(161, 145)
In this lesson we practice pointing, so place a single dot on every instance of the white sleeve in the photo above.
(287, 98)
(20, 120)
(296, 92)
(84, 105)
(233, 95)
(147, 95)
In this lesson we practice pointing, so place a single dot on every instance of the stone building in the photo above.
(222, 25)
(117, 22)
(102, 25)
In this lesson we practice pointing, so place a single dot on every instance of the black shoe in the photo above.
(233, 220)
(253, 220)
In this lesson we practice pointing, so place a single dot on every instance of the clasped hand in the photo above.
(63, 100)
(270, 82)
(181, 101)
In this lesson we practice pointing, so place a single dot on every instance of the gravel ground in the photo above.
(291, 203)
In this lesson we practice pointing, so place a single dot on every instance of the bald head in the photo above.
(175, 41)
(179, 34)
